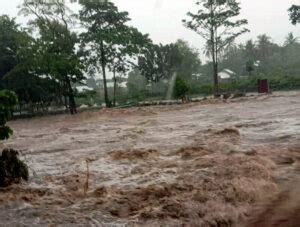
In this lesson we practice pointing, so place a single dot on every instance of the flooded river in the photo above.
(212, 163)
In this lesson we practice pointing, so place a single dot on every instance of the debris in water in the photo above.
(12, 169)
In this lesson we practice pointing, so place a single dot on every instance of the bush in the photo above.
(181, 88)
(8, 100)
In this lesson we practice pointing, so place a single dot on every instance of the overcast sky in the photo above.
(162, 18)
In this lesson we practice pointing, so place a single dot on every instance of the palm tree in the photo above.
(250, 50)
(264, 46)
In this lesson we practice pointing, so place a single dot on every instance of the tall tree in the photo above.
(56, 55)
(120, 66)
(189, 63)
(122, 59)
(16, 62)
(159, 61)
(250, 55)
(264, 47)
(11, 39)
(107, 37)
(136, 84)
(294, 12)
(214, 21)
(250, 50)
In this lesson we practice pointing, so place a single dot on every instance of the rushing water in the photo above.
(153, 162)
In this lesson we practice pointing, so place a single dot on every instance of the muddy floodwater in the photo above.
(212, 163)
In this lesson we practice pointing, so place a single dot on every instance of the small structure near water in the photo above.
(263, 86)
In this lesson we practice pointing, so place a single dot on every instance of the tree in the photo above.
(118, 65)
(159, 61)
(250, 50)
(123, 56)
(294, 12)
(11, 40)
(8, 100)
(136, 85)
(188, 61)
(107, 38)
(290, 39)
(250, 67)
(55, 55)
(181, 88)
(264, 47)
(214, 22)
(16, 59)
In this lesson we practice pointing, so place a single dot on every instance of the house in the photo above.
(121, 83)
(83, 88)
(226, 74)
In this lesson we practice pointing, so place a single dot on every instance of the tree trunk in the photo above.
(66, 102)
(72, 103)
(103, 66)
(215, 62)
(115, 88)
(216, 79)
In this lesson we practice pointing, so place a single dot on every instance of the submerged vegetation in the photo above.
(12, 170)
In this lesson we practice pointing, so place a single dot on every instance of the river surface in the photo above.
(211, 163)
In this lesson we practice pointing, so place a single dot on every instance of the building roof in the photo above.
(83, 88)
(226, 74)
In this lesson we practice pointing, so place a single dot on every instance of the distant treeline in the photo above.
(59, 50)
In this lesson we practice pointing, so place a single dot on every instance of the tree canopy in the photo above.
(55, 57)
(107, 36)
(294, 12)
(215, 21)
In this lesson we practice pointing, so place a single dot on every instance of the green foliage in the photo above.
(55, 54)
(261, 56)
(190, 63)
(181, 88)
(89, 98)
(214, 22)
(17, 63)
(294, 12)
(107, 39)
(44, 62)
(12, 170)
(250, 67)
(8, 100)
(277, 82)
(159, 61)
(136, 85)
(8, 45)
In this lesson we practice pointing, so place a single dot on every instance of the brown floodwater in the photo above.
(213, 163)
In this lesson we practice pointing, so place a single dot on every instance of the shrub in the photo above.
(8, 100)
(181, 88)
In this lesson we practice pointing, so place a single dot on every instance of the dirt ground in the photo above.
(214, 163)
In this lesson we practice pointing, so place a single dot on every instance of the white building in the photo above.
(226, 74)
